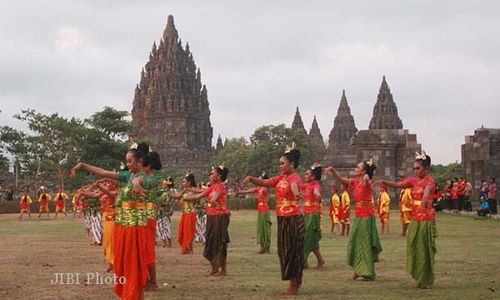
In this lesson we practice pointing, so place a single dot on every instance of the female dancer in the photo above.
(345, 210)
(152, 163)
(217, 236)
(290, 219)
(130, 224)
(312, 218)
(60, 199)
(164, 212)
(110, 188)
(263, 220)
(25, 202)
(44, 200)
(364, 245)
(334, 209)
(384, 202)
(421, 238)
(187, 224)
(201, 221)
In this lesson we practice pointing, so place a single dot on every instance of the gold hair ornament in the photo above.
(289, 148)
(421, 156)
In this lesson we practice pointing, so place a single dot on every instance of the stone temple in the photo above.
(481, 156)
(392, 147)
(170, 106)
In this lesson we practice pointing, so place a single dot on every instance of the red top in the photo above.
(454, 192)
(461, 188)
(492, 194)
(311, 204)
(263, 199)
(220, 207)
(287, 205)
(418, 186)
(363, 196)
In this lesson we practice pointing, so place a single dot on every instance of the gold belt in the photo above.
(150, 204)
(311, 203)
(364, 204)
(417, 202)
(132, 204)
(287, 203)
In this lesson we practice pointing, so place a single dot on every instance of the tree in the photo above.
(234, 155)
(111, 122)
(59, 137)
(441, 173)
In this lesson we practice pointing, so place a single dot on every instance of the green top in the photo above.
(123, 177)
(163, 201)
(189, 206)
(133, 213)
(152, 184)
(201, 207)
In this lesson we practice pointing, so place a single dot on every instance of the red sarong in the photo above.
(187, 229)
(129, 250)
(150, 256)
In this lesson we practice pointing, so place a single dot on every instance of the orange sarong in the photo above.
(129, 251)
(150, 256)
(187, 230)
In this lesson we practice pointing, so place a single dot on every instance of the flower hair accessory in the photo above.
(369, 162)
(221, 166)
(289, 148)
(133, 146)
(316, 165)
(422, 155)
(263, 174)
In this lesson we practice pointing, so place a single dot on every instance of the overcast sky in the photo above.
(261, 59)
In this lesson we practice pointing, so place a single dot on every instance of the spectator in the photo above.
(483, 190)
(467, 196)
(10, 194)
(454, 195)
(484, 207)
(446, 192)
(461, 194)
(492, 196)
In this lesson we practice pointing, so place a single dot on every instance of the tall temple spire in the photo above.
(343, 125)
(170, 32)
(316, 141)
(385, 112)
(219, 145)
(339, 152)
(171, 107)
(297, 123)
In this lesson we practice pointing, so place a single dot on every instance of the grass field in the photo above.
(467, 264)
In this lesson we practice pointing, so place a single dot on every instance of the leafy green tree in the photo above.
(441, 173)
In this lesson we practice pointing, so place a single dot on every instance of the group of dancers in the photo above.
(136, 208)
(44, 199)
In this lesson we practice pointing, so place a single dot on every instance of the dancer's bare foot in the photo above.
(290, 292)
(321, 264)
(422, 286)
(213, 272)
(221, 273)
(151, 286)
(354, 276)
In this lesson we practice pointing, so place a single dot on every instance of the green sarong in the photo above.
(312, 226)
(420, 251)
(264, 230)
(363, 247)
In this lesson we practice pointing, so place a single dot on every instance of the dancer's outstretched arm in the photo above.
(94, 170)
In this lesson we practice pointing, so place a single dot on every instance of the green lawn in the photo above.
(467, 264)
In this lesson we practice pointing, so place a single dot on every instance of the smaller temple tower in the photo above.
(318, 148)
